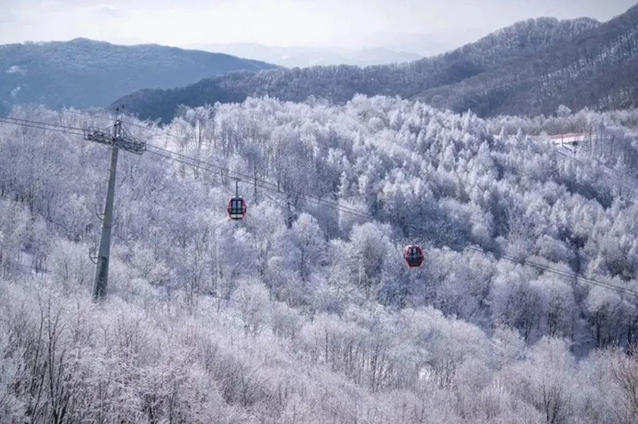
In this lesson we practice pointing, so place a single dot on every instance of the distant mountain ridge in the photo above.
(302, 57)
(84, 73)
(340, 83)
(597, 69)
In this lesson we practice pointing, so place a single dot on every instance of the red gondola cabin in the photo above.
(414, 256)
(236, 208)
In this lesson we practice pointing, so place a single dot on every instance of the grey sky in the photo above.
(329, 23)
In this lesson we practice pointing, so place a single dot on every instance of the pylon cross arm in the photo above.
(124, 143)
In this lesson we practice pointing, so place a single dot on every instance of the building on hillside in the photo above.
(572, 139)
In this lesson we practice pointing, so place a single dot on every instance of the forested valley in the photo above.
(525, 310)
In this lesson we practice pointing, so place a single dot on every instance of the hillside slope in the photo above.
(341, 83)
(83, 73)
(595, 69)
(305, 312)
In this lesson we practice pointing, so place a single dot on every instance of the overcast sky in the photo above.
(403, 24)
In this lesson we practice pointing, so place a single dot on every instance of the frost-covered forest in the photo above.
(306, 312)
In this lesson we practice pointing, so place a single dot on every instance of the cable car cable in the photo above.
(520, 261)
(129, 123)
(39, 127)
(273, 186)
(26, 121)
(322, 202)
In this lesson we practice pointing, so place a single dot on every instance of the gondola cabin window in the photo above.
(414, 256)
(236, 208)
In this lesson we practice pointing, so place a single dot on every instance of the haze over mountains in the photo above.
(543, 60)
(302, 57)
(84, 73)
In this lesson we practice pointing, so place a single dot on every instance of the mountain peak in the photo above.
(86, 41)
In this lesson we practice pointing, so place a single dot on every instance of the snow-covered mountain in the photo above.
(340, 83)
(596, 69)
(82, 73)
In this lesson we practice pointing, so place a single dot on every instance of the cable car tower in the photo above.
(118, 139)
